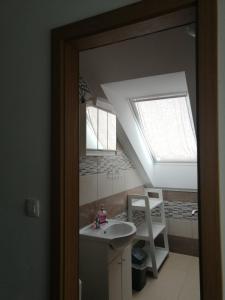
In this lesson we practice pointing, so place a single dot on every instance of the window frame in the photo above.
(137, 118)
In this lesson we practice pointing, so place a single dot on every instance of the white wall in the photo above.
(182, 227)
(25, 116)
(98, 186)
(221, 27)
(176, 176)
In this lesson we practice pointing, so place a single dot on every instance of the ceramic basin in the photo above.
(117, 234)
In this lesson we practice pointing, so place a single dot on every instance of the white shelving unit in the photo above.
(149, 230)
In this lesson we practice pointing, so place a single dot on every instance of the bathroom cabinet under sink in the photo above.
(105, 271)
(120, 278)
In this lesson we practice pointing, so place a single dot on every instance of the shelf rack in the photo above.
(149, 230)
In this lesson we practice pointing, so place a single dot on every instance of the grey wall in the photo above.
(25, 76)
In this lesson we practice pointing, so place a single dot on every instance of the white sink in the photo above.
(117, 234)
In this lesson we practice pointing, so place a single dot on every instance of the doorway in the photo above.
(130, 22)
(149, 85)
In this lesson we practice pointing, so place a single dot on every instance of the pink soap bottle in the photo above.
(102, 215)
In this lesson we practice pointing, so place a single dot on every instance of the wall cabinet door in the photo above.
(115, 279)
(126, 274)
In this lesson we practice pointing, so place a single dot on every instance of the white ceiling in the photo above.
(159, 53)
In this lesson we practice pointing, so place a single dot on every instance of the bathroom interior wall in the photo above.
(106, 180)
(115, 206)
(182, 226)
(103, 176)
(129, 60)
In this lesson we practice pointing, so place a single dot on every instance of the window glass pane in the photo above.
(111, 132)
(102, 129)
(168, 128)
(91, 127)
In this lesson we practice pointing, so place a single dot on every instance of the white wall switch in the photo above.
(32, 208)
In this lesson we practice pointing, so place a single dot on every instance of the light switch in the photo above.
(32, 208)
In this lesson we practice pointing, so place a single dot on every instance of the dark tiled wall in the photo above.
(114, 205)
(180, 196)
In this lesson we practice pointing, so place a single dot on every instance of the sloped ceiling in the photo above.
(165, 52)
(119, 93)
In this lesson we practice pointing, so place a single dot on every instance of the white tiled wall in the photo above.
(88, 188)
(98, 186)
(104, 176)
(105, 186)
(132, 179)
(181, 227)
(119, 182)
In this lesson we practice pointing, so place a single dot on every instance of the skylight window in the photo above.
(167, 126)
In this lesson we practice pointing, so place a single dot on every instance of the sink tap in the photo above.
(97, 222)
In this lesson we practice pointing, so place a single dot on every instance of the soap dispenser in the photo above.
(102, 215)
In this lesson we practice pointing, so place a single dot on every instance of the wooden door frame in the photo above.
(124, 23)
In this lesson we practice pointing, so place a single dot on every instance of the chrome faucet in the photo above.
(194, 211)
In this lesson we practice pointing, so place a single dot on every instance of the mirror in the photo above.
(100, 129)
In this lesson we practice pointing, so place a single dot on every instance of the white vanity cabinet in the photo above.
(115, 279)
(105, 273)
(120, 281)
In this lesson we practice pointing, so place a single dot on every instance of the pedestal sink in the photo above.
(117, 234)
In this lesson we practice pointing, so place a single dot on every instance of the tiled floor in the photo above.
(178, 280)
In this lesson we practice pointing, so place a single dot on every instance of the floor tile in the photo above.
(178, 280)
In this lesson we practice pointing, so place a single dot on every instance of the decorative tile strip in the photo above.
(175, 210)
(178, 210)
(90, 165)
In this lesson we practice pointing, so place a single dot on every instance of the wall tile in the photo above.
(119, 182)
(105, 185)
(115, 205)
(180, 227)
(88, 189)
(195, 229)
(178, 210)
(182, 196)
(90, 165)
(132, 179)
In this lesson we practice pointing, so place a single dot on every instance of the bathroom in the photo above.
(121, 160)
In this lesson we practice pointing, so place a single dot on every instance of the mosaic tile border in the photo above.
(91, 165)
(175, 210)
(178, 210)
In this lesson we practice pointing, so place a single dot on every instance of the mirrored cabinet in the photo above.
(97, 130)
